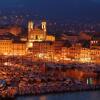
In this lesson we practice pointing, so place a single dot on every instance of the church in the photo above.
(39, 34)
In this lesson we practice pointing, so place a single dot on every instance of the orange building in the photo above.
(7, 47)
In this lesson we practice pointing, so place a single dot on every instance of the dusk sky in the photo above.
(61, 9)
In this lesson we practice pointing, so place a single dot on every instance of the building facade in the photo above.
(9, 48)
(38, 34)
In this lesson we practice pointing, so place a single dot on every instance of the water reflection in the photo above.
(67, 96)
(43, 98)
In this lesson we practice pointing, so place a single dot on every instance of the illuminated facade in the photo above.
(19, 48)
(82, 55)
(7, 47)
(41, 46)
(71, 54)
(85, 55)
(43, 50)
(38, 34)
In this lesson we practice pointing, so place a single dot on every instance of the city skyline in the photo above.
(49, 48)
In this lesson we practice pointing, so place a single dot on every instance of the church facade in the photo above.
(38, 34)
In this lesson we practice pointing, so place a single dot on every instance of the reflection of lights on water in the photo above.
(43, 98)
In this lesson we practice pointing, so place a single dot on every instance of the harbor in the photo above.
(19, 78)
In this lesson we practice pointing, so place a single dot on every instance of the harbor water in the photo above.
(89, 95)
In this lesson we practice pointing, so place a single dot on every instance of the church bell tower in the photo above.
(44, 27)
(30, 26)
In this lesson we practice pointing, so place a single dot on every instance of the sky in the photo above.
(61, 9)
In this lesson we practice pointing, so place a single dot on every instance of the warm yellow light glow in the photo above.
(30, 45)
(85, 59)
